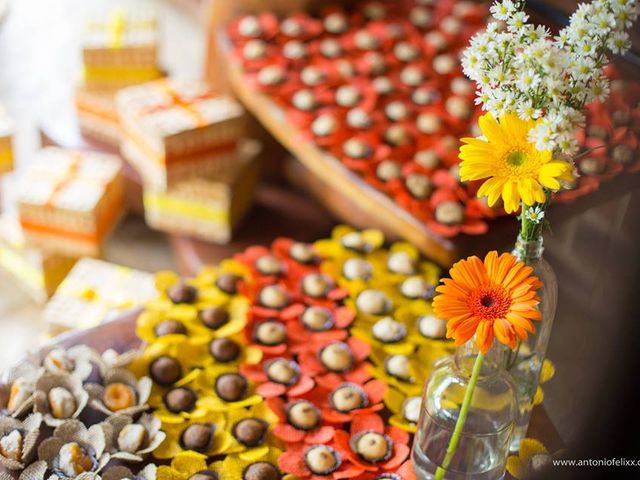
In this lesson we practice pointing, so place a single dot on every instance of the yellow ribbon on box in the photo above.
(121, 73)
(118, 25)
(184, 207)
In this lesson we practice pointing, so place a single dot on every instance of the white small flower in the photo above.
(502, 10)
(619, 43)
(535, 214)
(528, 80)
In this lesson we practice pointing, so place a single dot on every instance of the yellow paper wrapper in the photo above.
(204, 208)
(96, 291)
(97, 115)
(6, 147)
(39, 273)
(69, 201)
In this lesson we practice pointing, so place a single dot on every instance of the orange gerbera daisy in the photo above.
(496, 297)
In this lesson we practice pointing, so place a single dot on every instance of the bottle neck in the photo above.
(528, 251)
(466, 354)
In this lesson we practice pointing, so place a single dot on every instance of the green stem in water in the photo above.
(462, 418)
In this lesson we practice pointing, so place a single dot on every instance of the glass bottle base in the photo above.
(425, 470)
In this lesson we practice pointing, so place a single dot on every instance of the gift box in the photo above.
(69, 201)
(97, 115)
(121, 51)
(38, 272)
(96, 291)
(6, 148)
(176, 130)
(205, 208)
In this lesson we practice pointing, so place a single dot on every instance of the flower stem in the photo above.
(462, 418)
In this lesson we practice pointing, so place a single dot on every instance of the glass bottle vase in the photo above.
(525, 363)
(483, 444)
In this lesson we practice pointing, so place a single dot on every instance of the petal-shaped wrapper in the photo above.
(29, 431)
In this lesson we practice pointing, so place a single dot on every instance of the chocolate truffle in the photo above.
(419, 185)
(388, 170)
(294, 50)
(182, 293)
(291, 27)
(254, 50)
(436, 39)
(205, 475)
(621, 118)
(303, 415)
(304, 100)
(348, 397)
(62, 403)
(312, 76)
(428, 123)
(356, 148)
(283, 371)
(355, 241)
(271, 75)
(357, 118)
(383, 85)
(324, 125)
(118, 396)
(261, 471)
(417, 287)
(590, 166)
(317, 319)
(420, 17)
(231, 387)
(449, 213)
(402, 263)
(337, 357)
(373, 302)
(270, 332)
(165, 370)
(461, 86)
(444, 64)
(224, 350)
(451, 25)
(170, 327)
(250, 431)
(411, 76)
(396, 111)
(273, 296)
(348, 96)
(336, 23)
(269, 265)
(374, 11)
(73, 459)
(214, 317)
(322, 459)
(432, 327)
(458, 107)
(132, 437)
(357, 269)
(57, 359)
(21, 390)
(397, 135)
(398, 366)
(180, 399)
(427, 159)
(228, 283)
(622, 154)
(198, 437)
(250, 26)
(330, 48)
(423, 96)
(365, 40)
(11, 445)
(373, 447)
(406, 52)
(387, 330)
(411, 409)
(317, 285)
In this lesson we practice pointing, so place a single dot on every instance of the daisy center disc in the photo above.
(489, 302)
(516, 159)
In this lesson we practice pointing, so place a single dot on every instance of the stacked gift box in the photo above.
(69, 201)
(120, 52)
(96, 291)
(186, 142)
(6, 148)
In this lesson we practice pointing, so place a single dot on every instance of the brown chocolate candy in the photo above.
(180, 399)
(170, 327)
(205, 475)
(372, 447)
(228, 283)
(165, 370)
(322, 459)
(198, 437)
(303, 415)
(182, 293)
(251, 431)
(270, 332)
(231, 387)
(214, 317)
(261, 471)
(224, 349)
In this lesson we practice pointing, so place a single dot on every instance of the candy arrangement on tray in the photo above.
(380, 88)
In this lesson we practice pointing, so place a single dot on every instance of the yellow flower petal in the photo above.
(516, 467)
(530, 447)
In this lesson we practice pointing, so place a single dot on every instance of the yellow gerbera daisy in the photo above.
(532, 457)
(514, 167)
